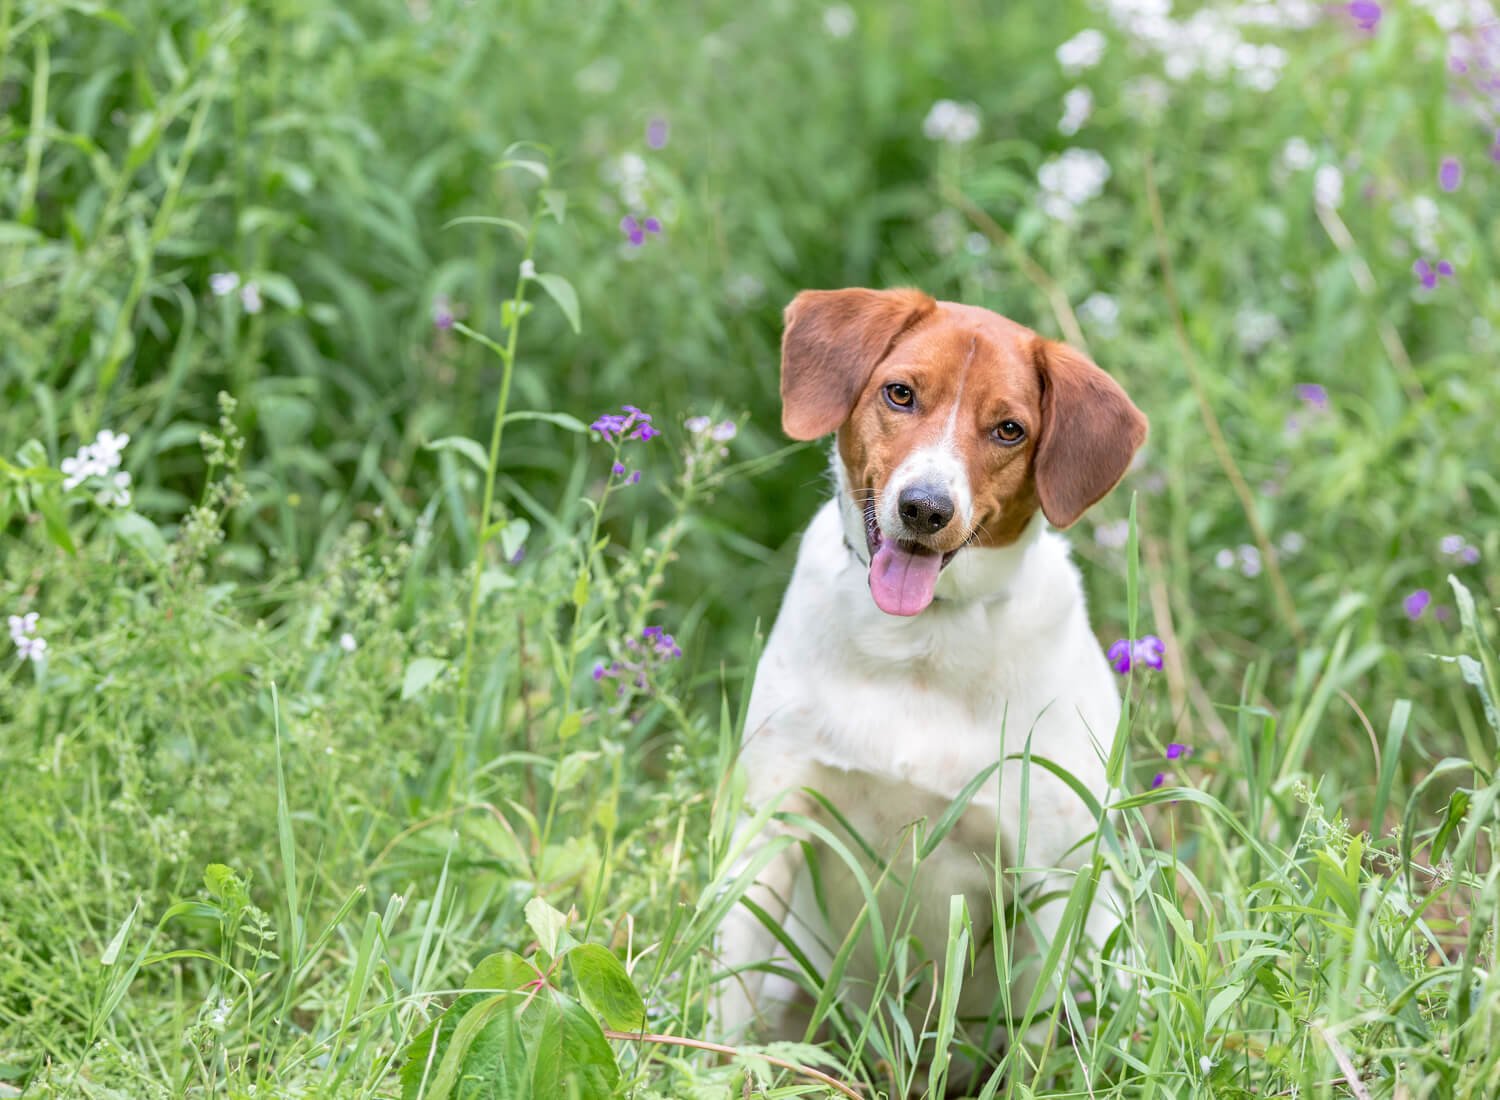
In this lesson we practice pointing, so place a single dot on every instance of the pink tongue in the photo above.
(902, 581)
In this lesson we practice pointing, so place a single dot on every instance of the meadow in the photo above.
(393, 500)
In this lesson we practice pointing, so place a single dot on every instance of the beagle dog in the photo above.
(934, 628)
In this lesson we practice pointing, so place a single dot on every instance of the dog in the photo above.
(934, 627)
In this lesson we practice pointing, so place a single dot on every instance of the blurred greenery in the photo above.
(352, 161)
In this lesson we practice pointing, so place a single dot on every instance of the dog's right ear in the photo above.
(833, 340)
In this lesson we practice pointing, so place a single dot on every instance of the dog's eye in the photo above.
(899, 396)
(1009, 432)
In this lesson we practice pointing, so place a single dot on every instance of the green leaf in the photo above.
(513, 537)
(55, 521)
(1458, 806)
(504, 970)
(419, 676)
(479, 219)
(561, 420)
(512, 311)
(548, 925)
(473, 1052)
(573, 767)
(555, 202)
(606, 988)
(112, 952)
(142, 536)
(464, 446)
(565, 296)
(572, 1058)
(581, 588)
(572, 722)
(535, 167)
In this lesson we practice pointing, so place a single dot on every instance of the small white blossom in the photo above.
(724, 431)
(697, 424)
(528, 269)
(1070, 180)
(347, 642)
(116, 491)
(1078, 105)
(839, 20)
(224, 283)
(1293, 543)
(1205, 1063)
(250, 297)
(1421, 218)
(1224, 559)
(1328, 186)
(1083, 51)
(955, 123)
(1147, 96)
(1296, 155)
(1249, 560)
(1100, 311)
(628, 173)
(23, 635)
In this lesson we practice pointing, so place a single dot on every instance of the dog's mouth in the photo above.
(903, 572)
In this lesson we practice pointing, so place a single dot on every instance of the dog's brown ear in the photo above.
(832, 341)
(1090, 431)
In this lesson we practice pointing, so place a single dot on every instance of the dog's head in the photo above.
(954, 426)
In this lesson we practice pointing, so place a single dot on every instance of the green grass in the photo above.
(238, 856)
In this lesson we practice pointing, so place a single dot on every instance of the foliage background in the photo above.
(325, 152)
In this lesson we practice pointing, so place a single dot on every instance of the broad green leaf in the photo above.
(500, 971)
(513, 537)
(572, 1057)
(547, 924)
(606, 988)
(464, 446)
(571, 768)
(419, 676)
(565, 296)
(561, 420)
(55, 521)
(141, 535)
(572, 722)
(1458, 806)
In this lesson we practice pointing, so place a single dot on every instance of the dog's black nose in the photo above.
(925, 508)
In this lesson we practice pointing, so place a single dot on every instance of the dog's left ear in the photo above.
(1090, 432)
(832, 342)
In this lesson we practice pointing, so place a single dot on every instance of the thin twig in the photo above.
(1346, 1065)
(720, 1048)
(1033, 271)
(1279, 589)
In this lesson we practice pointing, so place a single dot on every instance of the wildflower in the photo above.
(224, 283)
(839, 20)
(1078, 105)
(1296, 155)
(1328, 186)
(250, 297)
(1125, 653)
(955, 123)
(1416, 603)
(1450, 174)
(1259, 66)
(628, 173)
(661, 642)
(635, 478)
(116, 491)
(1428, 274)
(23, 634)
(1421, 218)
(724, 431)
(1293, 542)
(528, 269)
(697, 424)
(658, 132)
(633, 424)
(1112, 535)
(1083, 51)
(635, 231)
(1224, 559)
(654, 648)
(347, 642)
(618, 469)
(1176, 750)
(976, 244)
(442, 313)
(1158, 779)
(1365, 13)
(1250, 563)
(1205, 1063)
(1148, 95)
(1070, 180)
(1101, 311)
(97, 460)
(1313, 395)
(1458, 548)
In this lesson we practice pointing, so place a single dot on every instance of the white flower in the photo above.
(628, 173)
(528, 269)
(75, 471)
(116, 492)
(1421, 218)
(723, 432)
(1148, 94)
(1259, 66)
(1328, 186)
(697, 424)
(1101, 311)
(1224, 559)
(1112, 535)
(1448, 544)
(347, 642)
(1296, 155)
(839, 20)
(111, 443)
(1078, 105)
(224, 283)
(22, 634)
(1083, 51)
(1205, 1063)
(1293, 542)
(1070, 180)
(955, 123)
(1255, 329)
(250, 297)
(1249, 560)
(976, 244)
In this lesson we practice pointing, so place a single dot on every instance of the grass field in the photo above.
(363, 669)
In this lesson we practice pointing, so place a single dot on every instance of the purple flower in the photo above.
(1158, 779)
(635, 478)
(630, 425)
(1416, 603)
(1125, 654)
(1428, 274)
(1365, 13)
(599, 671)
(442, 313)
(1313, 395)
(635, 231)
(1450, 174)
(662, 643)
(657, 133)
(1175, 750)
(618, 469)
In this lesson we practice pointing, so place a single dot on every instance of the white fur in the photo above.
(889, 718)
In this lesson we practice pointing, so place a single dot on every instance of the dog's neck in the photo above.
(977, 573)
